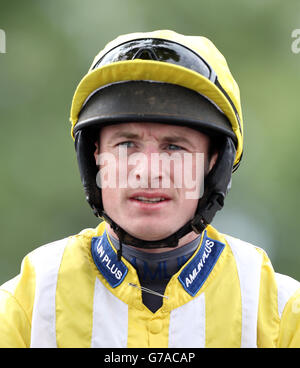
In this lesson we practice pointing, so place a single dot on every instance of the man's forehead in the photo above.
(139, 129)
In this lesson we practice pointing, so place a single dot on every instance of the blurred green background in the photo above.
(49, 47)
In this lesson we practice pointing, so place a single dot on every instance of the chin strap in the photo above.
(168, 242)
(171, 241)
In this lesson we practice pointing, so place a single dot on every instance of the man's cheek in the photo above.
(107, 174)
(193, 173)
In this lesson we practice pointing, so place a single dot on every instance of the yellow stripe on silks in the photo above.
(223, 309)
(22, 287)
(146, 329)
(268, 317)
(138, 317)
(15, 326)
(19, 295)
(74, 296)
(289, 311)
(154, 71)
(137, 330)
(289, 336)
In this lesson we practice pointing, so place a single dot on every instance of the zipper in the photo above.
(146, 290)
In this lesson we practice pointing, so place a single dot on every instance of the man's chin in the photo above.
(149, 233)
(148, 229)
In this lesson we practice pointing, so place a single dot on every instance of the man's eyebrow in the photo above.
(176, 139)
(124, 134)
(168, 138)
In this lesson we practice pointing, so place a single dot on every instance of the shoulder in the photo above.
(40, 270)
(249, 258)
(248, 253)
(47, 258)
(277, 295)
(288, 293)
(252, 262)
(243, 248)
(45, 261)
(289, 310)
(41, 258)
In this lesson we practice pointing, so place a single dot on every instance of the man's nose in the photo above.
(147, 170)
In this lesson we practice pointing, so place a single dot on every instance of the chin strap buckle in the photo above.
(200, 221)
(198, 224)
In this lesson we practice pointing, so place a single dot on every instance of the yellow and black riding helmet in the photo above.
(164, 77)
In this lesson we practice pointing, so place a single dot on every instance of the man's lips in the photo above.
(149, 199)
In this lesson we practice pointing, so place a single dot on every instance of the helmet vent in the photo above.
(145, 54)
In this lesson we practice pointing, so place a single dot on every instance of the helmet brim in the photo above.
(141, 101)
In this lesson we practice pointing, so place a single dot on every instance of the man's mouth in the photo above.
(149, 200)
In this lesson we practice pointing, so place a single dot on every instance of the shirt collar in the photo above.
(192, 275)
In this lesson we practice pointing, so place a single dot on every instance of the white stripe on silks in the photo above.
(46, 261)
(110, 319)
(248, 261)
(287, 286)
(191, 315)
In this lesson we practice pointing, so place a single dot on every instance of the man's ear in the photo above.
(96, 153)
(213, 160)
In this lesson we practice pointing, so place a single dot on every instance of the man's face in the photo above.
(147, 174)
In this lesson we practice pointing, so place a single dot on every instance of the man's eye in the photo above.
(127, 144)
(174, 147)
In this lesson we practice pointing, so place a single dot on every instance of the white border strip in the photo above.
(46, 261)
(187, 325)
(287, 286)
(248, 262)
(110, 319)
